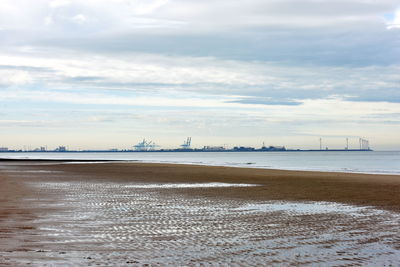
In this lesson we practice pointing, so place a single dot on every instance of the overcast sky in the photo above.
(107, 73)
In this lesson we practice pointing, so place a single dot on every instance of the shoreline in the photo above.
(188, 150)
(55, 160)
(242, 166)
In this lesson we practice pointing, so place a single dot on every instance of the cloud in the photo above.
(92, 98)
(13, 78)
(79, 19)
(267, 101)
(124, 15)
(290, 31)
(287, 65)
(242, 82)
(308, 13)
(59, 3)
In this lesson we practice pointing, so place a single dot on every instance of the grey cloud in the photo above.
(25, 68)
(80, 79)
(359, 41)
(340, 44)
(373, 44)
(283, 11)
(268, 101)
(326, 8)
(391, 95)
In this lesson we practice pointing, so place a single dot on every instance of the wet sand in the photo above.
(160, 214)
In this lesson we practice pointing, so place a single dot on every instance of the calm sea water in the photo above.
(382, 162)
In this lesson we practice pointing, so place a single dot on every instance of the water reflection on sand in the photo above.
(123, 224)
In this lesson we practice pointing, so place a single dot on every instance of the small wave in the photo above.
(312, 207)
(188, 185)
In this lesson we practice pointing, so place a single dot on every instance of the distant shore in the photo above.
(56, 160)
(186, 150)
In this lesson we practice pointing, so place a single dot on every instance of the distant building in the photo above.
(3, 149)
(273, 148)
(61, 149)
(213, 148)
(243, 148)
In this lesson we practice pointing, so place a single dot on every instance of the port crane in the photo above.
(145, 146)
(187, 143)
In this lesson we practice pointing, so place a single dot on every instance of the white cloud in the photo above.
(255, 82)
(59, 3)
(147, 7)
(79, 19)
(14, 77)
(141, 68)
(395, 21)
(117, 15)
(48, 20)
(93, 98)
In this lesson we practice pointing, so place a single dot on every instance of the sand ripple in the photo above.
(135, 224)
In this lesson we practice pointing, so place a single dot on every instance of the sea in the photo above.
(375, 162)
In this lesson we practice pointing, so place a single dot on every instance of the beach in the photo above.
(133, 214)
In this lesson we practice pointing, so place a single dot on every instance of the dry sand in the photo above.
(135, 214)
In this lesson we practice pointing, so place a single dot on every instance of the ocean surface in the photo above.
(379, 162)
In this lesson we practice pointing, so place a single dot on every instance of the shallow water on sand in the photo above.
(380, 162)
(133, 224)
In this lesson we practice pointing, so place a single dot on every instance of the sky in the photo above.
(100, 74)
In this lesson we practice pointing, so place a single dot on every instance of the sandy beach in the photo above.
(133, 214)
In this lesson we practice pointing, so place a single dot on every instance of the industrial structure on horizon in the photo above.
(187, 143)
(145, 146)
(364, 144)
(150, 146)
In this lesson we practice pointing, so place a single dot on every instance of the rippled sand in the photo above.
(129, 223)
